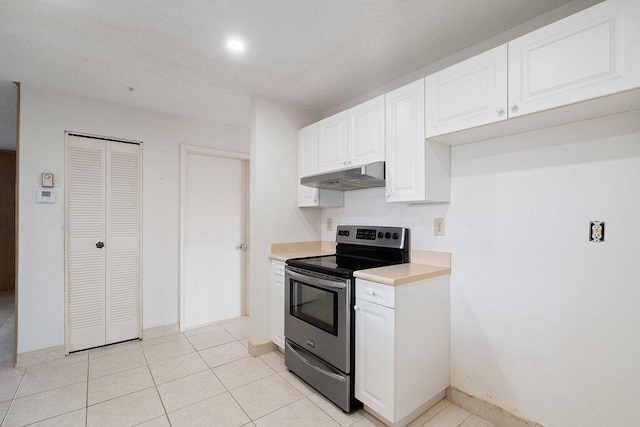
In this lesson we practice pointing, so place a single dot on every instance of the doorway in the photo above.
(213, 235)
(9, 132)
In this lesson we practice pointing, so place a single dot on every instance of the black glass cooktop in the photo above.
(339, 265)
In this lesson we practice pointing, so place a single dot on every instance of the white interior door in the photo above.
(123, 242)
(85, 228)
(103, 249)
(214, 226)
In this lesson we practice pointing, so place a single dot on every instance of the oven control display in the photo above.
(365, 234)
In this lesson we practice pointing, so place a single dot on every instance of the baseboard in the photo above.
(259, 349)
(160, 331)
(412, 415)
(39, 356)
(487, 410)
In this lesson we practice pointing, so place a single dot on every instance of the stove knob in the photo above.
(380, 234)
(387, 235)
(340, 232)
(346, 232)
(396, 235)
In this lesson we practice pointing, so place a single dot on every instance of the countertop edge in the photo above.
(374, 275)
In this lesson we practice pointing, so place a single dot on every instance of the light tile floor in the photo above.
(202, 377)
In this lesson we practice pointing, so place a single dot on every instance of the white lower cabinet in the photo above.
(402, 347)
(277, 303)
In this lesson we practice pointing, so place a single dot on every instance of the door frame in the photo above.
(67, 134)
(186, 149)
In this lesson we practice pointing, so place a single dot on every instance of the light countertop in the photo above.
(284, 251)
(424, 265)
(401, 274)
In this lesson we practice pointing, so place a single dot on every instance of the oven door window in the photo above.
(314, 305)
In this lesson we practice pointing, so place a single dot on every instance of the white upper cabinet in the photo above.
(366, 132)
(468, 94)
(587, 55)
(308, 165)
(353, 137)
(581, 67)
(405, 143)
(416, 171)
(333, 150)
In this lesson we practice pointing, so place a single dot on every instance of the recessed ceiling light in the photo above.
(235, 45)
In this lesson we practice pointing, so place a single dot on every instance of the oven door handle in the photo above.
(316, 281)
(320, 369)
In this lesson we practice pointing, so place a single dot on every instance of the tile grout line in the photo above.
(282, 407)
(463, 421)
(442, 409)
(12, 399)
(155, 385)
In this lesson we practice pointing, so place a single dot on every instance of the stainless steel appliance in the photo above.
(351, 178)
(319, 298)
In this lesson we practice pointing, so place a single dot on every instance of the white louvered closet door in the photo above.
(86, 227)
(123, 242)
(103, 242)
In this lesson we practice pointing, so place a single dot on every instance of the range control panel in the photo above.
(391, 237)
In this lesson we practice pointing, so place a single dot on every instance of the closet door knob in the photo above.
(100, 245)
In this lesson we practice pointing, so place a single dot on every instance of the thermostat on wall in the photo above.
(45, 195)
(47, 180)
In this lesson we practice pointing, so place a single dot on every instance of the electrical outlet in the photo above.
(329, 224)
(596, 231)
(438, 226)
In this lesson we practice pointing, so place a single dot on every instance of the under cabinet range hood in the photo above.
(354, 178)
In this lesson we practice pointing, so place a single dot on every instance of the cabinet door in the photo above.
(366, 132)
(307, 164)
(333, 142)
(469, 94)
(277, 306)
(375, 346)
(405, 145)
(586, 55)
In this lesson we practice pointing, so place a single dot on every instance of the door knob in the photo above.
(242, 247)
(514, 107)
(100, 245)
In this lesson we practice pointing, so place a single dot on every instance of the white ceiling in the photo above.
(312, 53)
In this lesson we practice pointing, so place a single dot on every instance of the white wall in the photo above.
(543, 322)
(44, 117)
(274, 215)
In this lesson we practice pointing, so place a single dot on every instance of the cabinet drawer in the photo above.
(277, 267)
(375, 293)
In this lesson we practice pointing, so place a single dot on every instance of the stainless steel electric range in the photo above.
(319, 299)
